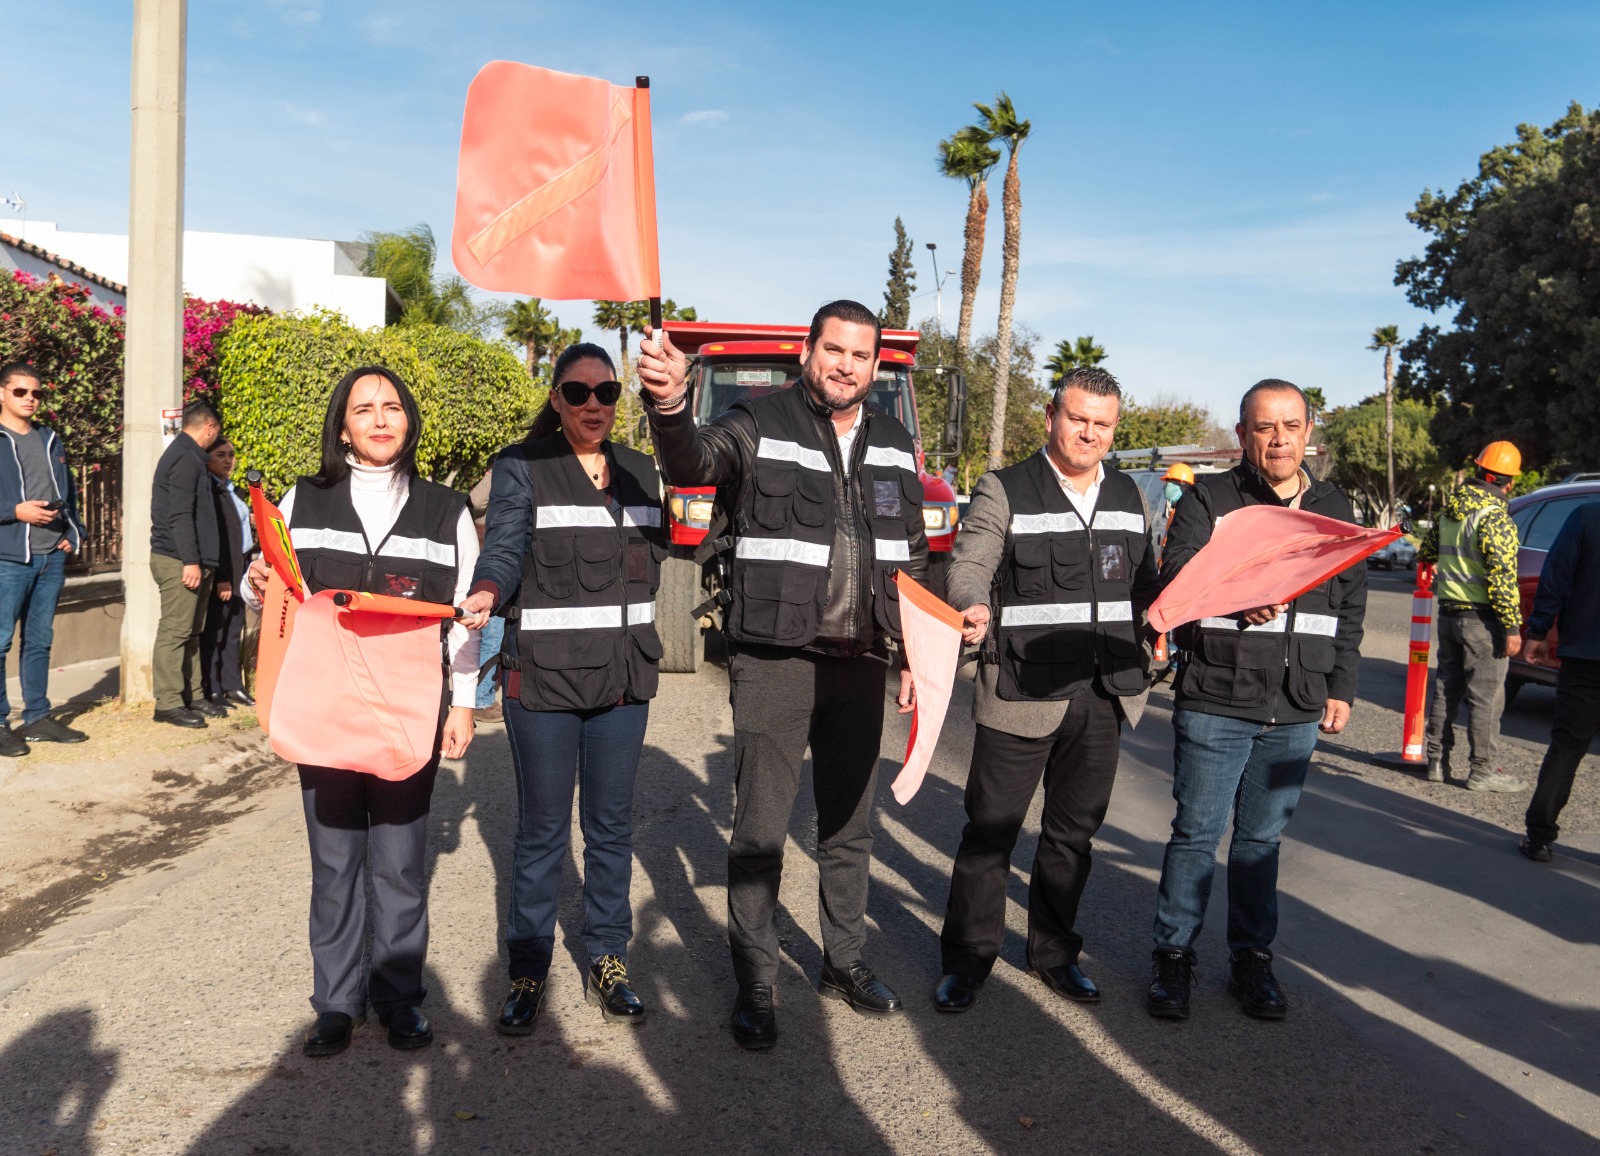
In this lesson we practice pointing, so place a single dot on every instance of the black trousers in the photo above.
(782, 701)
(219, 646)
(1079, 764)
(1577, 722)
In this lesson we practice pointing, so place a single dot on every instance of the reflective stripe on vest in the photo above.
(889, 456)
(551, 517)
(317, 538)
(1056, 613)
(1064, 523)
(439, 553)
(783, 550)
(1119, 520)
(1318, 625)
(891, 550)
(1461, 574)
(641, 516)
(1321, 625)
(587, 617)
(782, 451)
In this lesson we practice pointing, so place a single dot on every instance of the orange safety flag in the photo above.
(361, 602)
(285, 592)
(1263, 556)
(272, 531)
(555, 192)
(931, 633)
(360, 691)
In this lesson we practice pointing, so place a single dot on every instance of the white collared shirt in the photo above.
(848, 438)
(1083, 503)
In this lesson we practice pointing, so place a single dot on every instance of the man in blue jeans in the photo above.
(38, 528)
(1254, 692)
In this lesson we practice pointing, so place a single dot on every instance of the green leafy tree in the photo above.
(1386, 338)
(1164, 422)
(1357, 438)
(968, 156)
(405, 260)
(672, 311)
(624, 318)
(1319, 403)
(1000, 122)
(1515, 253)
(896, 312)
(529, 324)
(1070, 355)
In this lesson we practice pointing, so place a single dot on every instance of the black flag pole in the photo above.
(655, 302)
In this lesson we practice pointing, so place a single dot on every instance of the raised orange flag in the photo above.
(285, 591)
(931, 633)
(1263, 556)
(555, 192)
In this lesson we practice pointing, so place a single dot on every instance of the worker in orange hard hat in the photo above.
(1474, 546)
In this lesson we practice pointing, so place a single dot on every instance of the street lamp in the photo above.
(1431, 489)
(938, 289)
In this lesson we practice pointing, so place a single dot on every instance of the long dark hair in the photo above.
(335, 466)
(547, 421)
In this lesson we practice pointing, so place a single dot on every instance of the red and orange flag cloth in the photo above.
(285, 592)
(555, 192)
(361, 684)
(931, 633)
(1263, 556)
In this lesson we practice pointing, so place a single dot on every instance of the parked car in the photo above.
(1539, 517)
(1399, 554)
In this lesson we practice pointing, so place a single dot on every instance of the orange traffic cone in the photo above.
(1413, 728)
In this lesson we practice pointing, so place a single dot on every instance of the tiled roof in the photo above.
(71, 266)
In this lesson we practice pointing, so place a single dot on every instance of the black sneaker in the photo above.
(50, 730)
(1172, 978)
(12, 745)
(1536, 849)
(1254, 985)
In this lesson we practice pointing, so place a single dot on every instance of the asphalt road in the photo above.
(1442, 987)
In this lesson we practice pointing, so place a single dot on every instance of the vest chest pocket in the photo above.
(598, 565)
(773, 502)
(1070, 553)
(778, 601)
(811, 494)
(329, 573)
(1311, 661)
(1030, 562)
(573, 670)
(1239, 669)
(1046, 663)
(553, 564)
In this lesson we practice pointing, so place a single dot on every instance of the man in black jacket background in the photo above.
(185, 548)
(825, 502)
(1255, 691)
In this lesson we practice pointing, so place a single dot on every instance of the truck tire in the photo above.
(679, 594)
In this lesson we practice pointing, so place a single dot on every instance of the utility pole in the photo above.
(153, 354)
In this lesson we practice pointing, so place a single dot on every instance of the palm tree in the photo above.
(670, 311)
(1386, 337)
(625, 317)
(405, 260)
(1069, 356)
(529, 324)
(968, 156)
(1001, 123)
(558, 341)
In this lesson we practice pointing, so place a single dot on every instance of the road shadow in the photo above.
(55, 1077)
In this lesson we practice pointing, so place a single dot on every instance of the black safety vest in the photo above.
(786, 522)
(416, 559)
(585, 635)
(1244, 667)
(1063, 595)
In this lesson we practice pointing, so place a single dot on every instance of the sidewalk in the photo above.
(80, 684)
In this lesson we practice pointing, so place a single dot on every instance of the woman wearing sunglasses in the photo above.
(572, 549)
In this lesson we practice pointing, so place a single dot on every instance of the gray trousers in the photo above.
(1468, 670)
(360, 825)
(783, 700)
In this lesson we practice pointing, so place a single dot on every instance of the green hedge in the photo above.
(276, 372)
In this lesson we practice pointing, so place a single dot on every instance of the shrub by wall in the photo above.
(275, 374)
(78, 348)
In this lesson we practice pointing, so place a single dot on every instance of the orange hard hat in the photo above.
(1501, 458)
(1178, 472)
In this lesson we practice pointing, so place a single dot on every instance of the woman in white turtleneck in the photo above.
(366, 521)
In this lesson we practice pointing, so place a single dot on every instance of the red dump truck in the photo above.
(731, 362)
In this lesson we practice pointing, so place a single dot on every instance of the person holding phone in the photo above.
(39, 527)
(367, 521)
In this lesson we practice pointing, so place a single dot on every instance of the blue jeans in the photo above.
(553, 752)
(28, 594)
(1253, 771)
(489, 639)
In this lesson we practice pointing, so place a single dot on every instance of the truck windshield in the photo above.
(718, 384)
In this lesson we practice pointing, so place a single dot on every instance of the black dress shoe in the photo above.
(12, 745)
(220, 703)
(242, 697)
(755, 1025)
(1436, 771)
(861, 989)
(522, 1006)
(1171, 980)
(956, 993)
(607, 987)
(1536, 849)
(181, 717)
(1255, 987)
(408, 1028)
(209, 709)
(1066, 979)
(49, 730)
(330, 1035)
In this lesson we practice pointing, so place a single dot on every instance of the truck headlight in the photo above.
(933, 517)
(676, 506)
(700, 510)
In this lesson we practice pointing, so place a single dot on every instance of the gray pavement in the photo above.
(1441, 997)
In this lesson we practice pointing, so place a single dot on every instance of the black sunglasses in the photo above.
(18, 391)
(577, 393)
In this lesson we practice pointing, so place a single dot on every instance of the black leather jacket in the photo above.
(720, 454)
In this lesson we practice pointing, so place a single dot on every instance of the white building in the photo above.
(281, 273)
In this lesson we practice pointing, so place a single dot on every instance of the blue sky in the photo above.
(1216, 193)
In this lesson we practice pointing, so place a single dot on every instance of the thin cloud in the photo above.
(706, 116)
